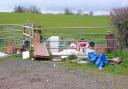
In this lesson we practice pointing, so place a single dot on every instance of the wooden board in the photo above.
(40, 50)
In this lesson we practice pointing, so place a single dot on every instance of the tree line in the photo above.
(35, 9)
(31, 9)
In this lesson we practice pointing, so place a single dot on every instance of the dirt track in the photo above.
(25, 74)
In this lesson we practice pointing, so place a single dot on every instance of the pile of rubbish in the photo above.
(81, 49)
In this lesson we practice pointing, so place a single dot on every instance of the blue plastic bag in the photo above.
(99, 60)
(104, 58)
(93, 57)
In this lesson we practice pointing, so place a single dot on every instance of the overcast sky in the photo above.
(59, 5)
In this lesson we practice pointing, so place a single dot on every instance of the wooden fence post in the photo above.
(111, 42)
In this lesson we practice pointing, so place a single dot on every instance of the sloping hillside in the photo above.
(49, 20)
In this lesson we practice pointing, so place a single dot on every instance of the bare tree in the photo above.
(119, 18)
(35, 9)
(67, 11)
(79, 12)
(19, 9)
(31, 9)
(91, 13)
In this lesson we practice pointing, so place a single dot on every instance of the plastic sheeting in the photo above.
(99, 59)
(3, 54)
(65, 53)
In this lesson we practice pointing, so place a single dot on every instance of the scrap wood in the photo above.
(40, 49)
(115, 60)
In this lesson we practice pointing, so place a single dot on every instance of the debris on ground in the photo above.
(57, 59)
(82, 62)
(83, 49)
(115, 60)
(99, 59)
(3, 54)
(54, 65)
(25, 55)
(65, 53)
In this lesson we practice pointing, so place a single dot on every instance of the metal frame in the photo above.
(80, 34)
(13, 32)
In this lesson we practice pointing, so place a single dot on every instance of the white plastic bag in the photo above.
(25, 55)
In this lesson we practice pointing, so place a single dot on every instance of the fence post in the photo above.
(111, 42)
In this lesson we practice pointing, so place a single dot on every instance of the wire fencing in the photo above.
(101, 36)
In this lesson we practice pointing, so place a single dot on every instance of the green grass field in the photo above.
(49, 20)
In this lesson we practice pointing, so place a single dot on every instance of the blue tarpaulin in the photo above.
(99, 59)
